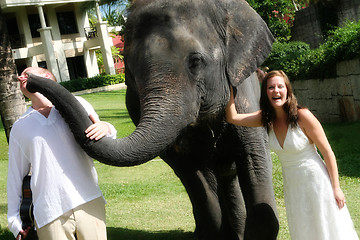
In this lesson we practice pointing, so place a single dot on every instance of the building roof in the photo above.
(18, 3)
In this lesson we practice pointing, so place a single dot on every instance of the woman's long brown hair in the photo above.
(290, 107)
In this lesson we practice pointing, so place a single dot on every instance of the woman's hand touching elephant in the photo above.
(244, 119)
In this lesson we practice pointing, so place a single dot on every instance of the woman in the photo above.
(315, 203)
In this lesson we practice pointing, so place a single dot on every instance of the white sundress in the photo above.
(311, 208)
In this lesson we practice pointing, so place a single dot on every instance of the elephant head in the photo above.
(180, 57)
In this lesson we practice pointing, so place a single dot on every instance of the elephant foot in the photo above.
(210, 235)
(261, 223)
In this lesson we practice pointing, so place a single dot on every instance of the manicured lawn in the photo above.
(149, 202)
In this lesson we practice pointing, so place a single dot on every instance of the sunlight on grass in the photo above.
(279, 195)
(146, 192)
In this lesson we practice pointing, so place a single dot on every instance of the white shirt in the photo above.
(63, 175)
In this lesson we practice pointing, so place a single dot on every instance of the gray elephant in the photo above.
(181, 57)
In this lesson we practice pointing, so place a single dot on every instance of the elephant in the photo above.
(181, 58)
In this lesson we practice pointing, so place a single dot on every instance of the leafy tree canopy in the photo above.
(301, 62)
(278, 15)
(113, 12)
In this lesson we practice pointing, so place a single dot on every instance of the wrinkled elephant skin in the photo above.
(180, 57)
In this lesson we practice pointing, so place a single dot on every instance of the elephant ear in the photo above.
(248, 41)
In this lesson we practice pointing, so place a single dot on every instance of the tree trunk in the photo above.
(12, 104)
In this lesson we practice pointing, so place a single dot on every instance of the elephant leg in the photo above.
(233, 207)
(215, 218)
(205, 203)
(201, 187)
(255, 177)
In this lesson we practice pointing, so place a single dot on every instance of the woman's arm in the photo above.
(315, 132)
(243, 119)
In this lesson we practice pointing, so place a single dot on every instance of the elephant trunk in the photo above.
(149, 139)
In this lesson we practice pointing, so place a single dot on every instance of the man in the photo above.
(68, 202)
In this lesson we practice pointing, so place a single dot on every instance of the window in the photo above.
(13, 33)
(42, 64)
(67, 22)
(34, 22)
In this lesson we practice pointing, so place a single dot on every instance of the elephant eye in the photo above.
(195, 61)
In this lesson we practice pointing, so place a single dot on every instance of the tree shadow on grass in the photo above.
(5, 234)
(3, 208)
(129, 234)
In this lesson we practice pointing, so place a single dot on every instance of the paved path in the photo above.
(101, 89)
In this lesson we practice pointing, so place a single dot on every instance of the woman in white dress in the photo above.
(315, 203)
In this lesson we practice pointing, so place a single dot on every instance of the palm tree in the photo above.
(113, 11)
(12, 104)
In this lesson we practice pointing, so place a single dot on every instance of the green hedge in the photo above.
(93, 82)
(301, 62)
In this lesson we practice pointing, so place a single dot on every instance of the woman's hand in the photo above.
(23, 81)
(339, 197)
(97, 130)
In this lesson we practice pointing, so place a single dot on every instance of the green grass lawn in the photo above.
(149, 202)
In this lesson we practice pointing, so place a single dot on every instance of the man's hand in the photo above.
(23, 233)
(23, 80)
(97, 130)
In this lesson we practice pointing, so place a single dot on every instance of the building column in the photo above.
(92, 68)
(47, 43)
(24, 29)
(105, 43)
(58, 46)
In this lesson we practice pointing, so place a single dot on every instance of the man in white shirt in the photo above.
(67, 200)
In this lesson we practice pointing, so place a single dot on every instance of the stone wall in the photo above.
(349, 10)
(333, 100)
(307, 25)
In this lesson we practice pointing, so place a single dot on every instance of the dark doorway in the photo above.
(76, 67)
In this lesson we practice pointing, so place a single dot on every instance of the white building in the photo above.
(56, 35)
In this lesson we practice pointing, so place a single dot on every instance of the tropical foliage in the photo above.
(301, 62)
(113, 12)
(116, 54)
(93, 82)
(278, 14)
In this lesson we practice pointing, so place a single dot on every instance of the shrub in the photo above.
(278, 15)
(301, 62)
(285, 55)
(93, 82)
